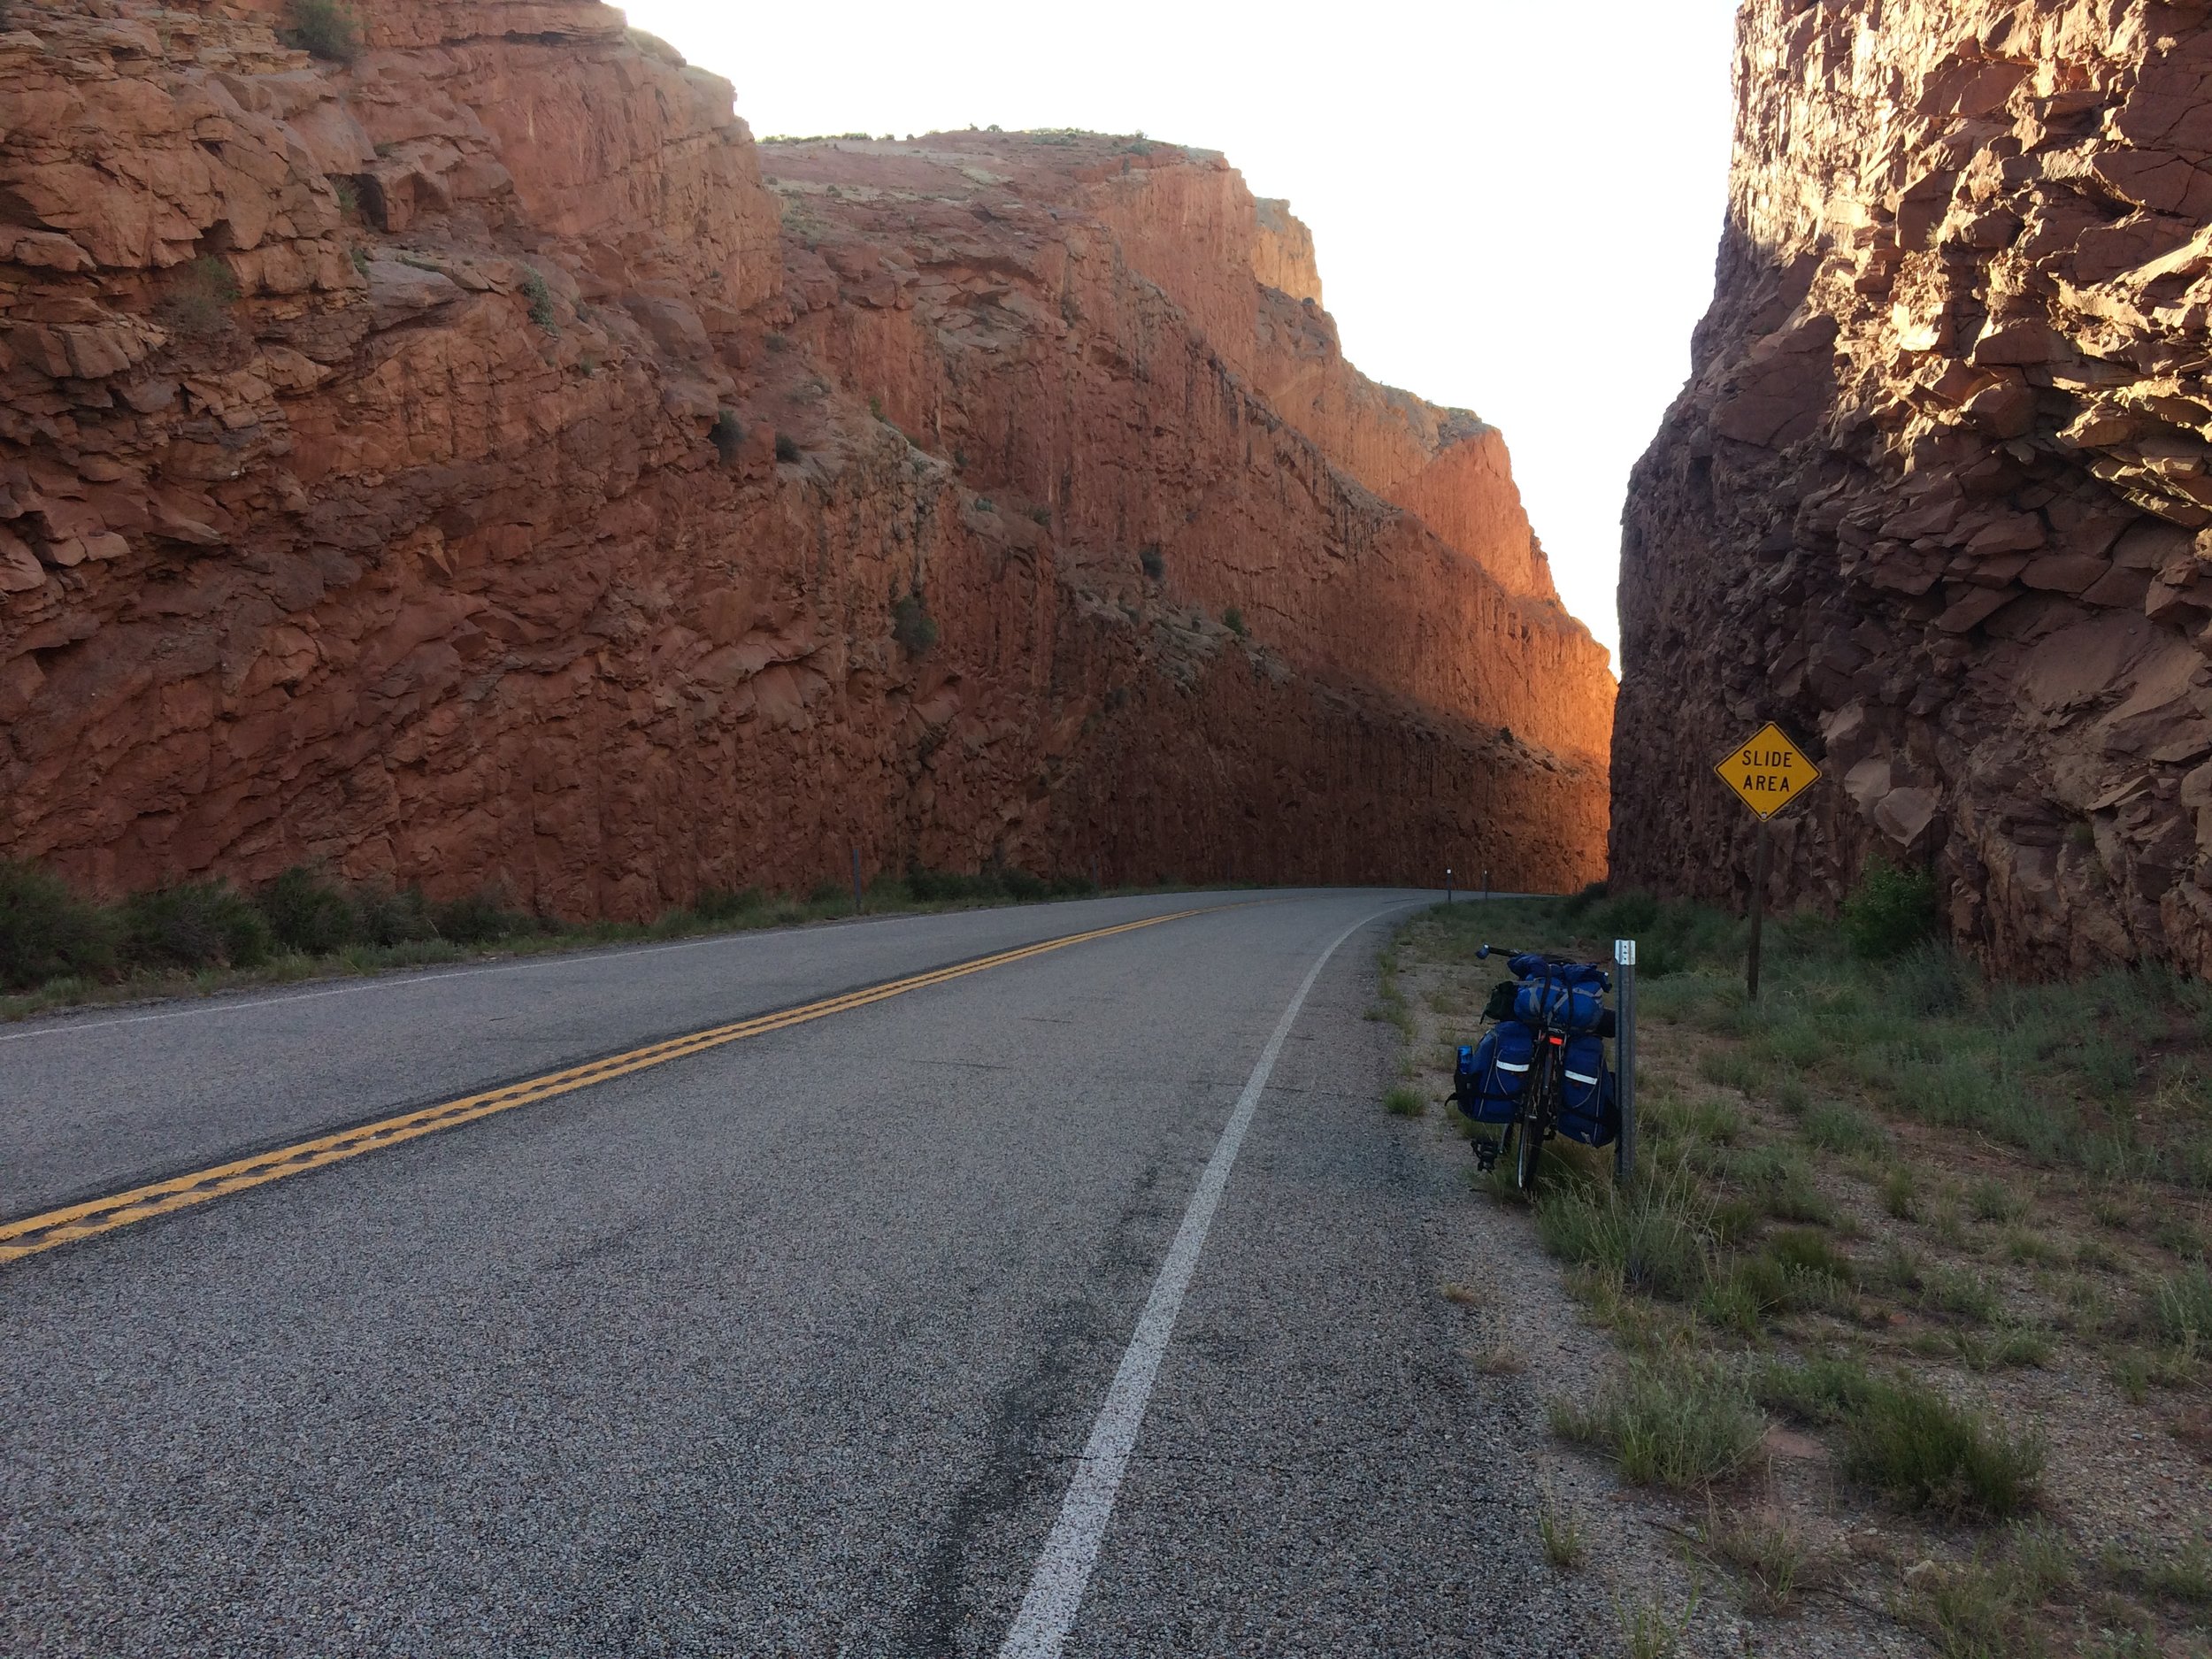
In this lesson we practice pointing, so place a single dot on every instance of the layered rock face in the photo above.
(459, 465)
(1938, 496)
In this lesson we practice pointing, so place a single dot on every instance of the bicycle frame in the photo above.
(1538, 1105)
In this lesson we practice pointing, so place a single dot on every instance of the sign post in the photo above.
(1767, 773)
(1624, 1058)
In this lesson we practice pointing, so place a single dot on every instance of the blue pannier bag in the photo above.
(1589, 1110)
(1559, 1004)
(1492, 1073)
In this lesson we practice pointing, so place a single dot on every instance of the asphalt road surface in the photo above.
(1081, 1304)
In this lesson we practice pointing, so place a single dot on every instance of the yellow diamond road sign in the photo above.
(1768, 772)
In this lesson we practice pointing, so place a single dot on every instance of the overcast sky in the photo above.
(1516, 204)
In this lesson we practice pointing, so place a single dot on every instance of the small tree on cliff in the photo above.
(327, 28)
(912, 626)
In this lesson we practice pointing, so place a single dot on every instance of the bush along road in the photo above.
(1903, 1332)
(58, 947)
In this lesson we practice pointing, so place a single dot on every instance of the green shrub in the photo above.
(327, 28)
(715, 905)
(46, 930)
(728, 434)
(1915, 1448)
(912, 626)
(541, 298)
(199, 298)
(1232, 620)
(1574, 907)
(1404, 1102)
(481, 918)
(193, 924)
(1890, 912)
(786, 448)
(1155, 567)
(1669, 1423)
(306, 913)
(1928, 979)
(1628, 915)
(387, 916)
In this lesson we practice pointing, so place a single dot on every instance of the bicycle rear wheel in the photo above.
(1528, 1149)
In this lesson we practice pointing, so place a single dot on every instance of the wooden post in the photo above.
(1624, 1057)
(1758, 907)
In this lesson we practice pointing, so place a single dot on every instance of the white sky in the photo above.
(1516, 202)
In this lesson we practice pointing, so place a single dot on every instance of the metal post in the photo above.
(1447, 884)
(1095, 882)
(1758, 907)
(1624, 1057)
(1486, 886)
(858, 903)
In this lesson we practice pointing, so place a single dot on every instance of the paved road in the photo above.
(794, 1347)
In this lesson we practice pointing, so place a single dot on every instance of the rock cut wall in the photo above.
(459, 465)
(1939, 495)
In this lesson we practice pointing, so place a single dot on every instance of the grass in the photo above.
(1405, 1102)
(1649, 1237)
(1768, 1548)
(2181, 1308)
(1650, 1631)
(1890, 1179)
(1565, 1547)
(1834, 1126)
(1671, 1422)
(1923, 1452)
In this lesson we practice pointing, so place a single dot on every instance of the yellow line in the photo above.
(93, 1217)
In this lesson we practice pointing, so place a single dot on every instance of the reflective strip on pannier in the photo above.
(1588, 1111)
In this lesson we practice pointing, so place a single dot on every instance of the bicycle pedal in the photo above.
(1485, 1156)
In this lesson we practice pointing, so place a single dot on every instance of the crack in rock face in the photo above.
(466, 458)
(1937, 496)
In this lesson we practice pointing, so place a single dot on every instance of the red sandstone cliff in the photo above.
(1938, 496)
(459, 465)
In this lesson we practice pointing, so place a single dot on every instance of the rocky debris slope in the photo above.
(1939, 495)
(457, 465)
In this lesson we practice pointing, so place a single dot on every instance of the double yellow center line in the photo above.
(93, 1217)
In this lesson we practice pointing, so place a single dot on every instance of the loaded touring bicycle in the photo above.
(1541, 1069)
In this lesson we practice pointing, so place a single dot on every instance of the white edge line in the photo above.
(402, 979)
(1070, 1551)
